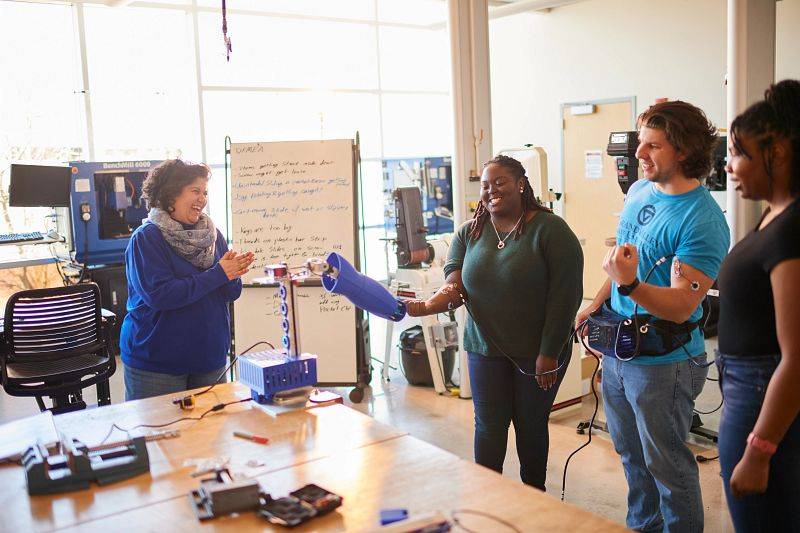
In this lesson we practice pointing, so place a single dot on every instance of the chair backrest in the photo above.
(48, 324)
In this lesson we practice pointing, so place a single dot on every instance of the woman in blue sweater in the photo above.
(181, 278)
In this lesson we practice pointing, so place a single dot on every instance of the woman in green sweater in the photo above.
(519, 268)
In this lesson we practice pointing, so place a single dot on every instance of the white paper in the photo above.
(593, 163)
(82, 185)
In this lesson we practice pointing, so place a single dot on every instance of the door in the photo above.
(592, 197)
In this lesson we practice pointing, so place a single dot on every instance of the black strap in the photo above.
(674, 328)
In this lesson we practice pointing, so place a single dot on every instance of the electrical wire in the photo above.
(572, 335)
(594, 374)
(85, 269)
(215, 408)
(236, 358)
(690, 356)
(638, 332)
(492, 517)
(594, 414)
(636, 329)
(709, 412)
(563, 363)
(60, 272)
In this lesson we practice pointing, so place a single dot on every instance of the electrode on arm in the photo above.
(450, 296)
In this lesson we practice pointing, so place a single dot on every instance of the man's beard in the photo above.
(663, 176)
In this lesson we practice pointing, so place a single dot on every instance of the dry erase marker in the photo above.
(248, 436)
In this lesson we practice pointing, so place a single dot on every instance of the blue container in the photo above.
(273, 371)
(611, 334)
(365, 293)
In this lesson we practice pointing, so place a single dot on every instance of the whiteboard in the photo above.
(257, 317)
(332, 316)
(291, 201)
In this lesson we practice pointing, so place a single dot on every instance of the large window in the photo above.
(142, 84)
(41, 110)
(289, 53)
(152, 82)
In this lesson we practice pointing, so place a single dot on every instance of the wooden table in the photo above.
(371, 465)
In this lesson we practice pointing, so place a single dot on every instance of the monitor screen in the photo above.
(39, 186)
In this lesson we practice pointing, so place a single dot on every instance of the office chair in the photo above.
(55, 345)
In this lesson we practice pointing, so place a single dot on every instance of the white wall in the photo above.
(787, 40)
(600, 49)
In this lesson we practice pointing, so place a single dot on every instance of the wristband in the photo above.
(761, 445)
(626, 290)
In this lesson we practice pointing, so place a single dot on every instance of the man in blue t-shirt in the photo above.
(671, 229)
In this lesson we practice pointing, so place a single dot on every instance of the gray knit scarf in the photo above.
(196, 245)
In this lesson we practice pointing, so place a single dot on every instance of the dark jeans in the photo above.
(141, 384)
(744, 381)
(501, 394)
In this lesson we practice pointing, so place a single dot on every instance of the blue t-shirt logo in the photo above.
(646, 215)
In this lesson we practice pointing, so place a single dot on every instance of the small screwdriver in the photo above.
(248, 436)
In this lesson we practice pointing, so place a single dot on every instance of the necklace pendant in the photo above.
(501, 245)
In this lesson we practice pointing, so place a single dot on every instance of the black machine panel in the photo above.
(39, 186)
(412, 247)
(622, 146)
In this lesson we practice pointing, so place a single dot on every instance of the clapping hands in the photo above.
(235, 264)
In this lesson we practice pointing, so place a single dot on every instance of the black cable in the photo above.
(594, 374)
(60, 272)
(691, 357)
(85, 268)
(236, 358)
(594, 414)
(704, 459)
(492, 517)
(638, 333)
(215, 408)
(534, 374)
(709, 412)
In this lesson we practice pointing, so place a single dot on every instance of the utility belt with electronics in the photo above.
(616, 335)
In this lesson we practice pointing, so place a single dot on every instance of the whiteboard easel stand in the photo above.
(347, 363)
(363, 357)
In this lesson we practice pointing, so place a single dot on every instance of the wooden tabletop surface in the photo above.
(371, 465)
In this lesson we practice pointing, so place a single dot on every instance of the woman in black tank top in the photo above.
(759, 325)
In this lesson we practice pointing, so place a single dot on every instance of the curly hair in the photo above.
(529, 200)
(688, 130)
(777, 116)
(165, 181)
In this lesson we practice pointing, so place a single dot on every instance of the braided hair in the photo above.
(777, 116)
(529, 200)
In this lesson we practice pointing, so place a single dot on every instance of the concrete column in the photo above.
(468, 25)
(751, 69)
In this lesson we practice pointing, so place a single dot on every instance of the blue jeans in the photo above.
(500, 395)
(744, 381)
(141, 384)
(649, 414)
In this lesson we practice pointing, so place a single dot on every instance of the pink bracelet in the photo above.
(761, 445)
